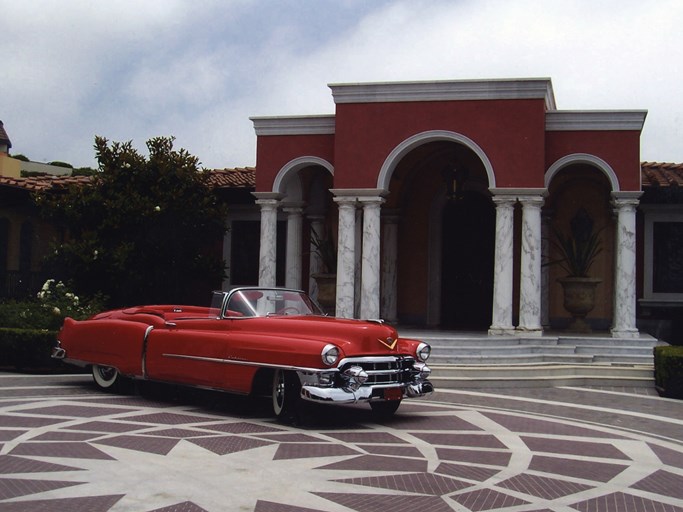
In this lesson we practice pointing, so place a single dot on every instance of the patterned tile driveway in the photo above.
(65, 446)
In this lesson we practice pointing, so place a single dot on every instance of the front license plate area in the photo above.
(393, 394)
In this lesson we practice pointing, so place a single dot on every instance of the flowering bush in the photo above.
(53, 303)
(56, 300)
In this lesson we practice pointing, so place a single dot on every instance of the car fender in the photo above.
(108, 342)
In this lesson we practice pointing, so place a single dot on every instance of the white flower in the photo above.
(157, 208)
(56, 311)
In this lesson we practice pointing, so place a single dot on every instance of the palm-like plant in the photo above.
(580, 247)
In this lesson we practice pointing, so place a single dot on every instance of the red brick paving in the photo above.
(228, 444)
(622, 502)
(589, 470)
(487, 499)
(87, 504)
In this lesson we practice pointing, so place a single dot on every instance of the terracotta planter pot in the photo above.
(579, 300)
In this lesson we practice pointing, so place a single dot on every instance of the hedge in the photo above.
(28, 349)
(669, 371)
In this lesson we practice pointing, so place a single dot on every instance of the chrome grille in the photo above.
(382, 370)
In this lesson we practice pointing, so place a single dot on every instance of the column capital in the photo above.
(504, 201)
(359, 192)
(625, 200)
(267, 196)
(346, 201)
(532, 201)
(370, 201)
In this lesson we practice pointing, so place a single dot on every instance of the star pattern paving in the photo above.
(85, 451)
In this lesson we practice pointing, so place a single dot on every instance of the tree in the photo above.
(146, 230)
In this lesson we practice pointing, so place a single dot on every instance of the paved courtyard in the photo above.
(67, 447)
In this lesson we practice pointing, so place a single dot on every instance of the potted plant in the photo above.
(324, 248)
(578, 250)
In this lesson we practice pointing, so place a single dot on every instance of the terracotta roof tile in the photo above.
(41, 183)
(241, 177)
(654, 174)
(244, 177)
(659, 174)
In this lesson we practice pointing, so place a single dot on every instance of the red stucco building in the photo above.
(441, 197)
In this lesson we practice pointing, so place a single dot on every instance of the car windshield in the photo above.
(259, 302)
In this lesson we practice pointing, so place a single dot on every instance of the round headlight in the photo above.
(330, 355)
(423, 351)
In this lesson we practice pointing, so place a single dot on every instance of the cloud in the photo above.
(135, 70)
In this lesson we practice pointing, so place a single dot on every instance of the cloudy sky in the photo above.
(198, 69)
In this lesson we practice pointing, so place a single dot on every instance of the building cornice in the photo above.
(294, 125)
(595, 120)
(452, 90)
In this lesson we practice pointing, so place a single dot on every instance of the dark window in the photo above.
(4, 244)
(25, 247)
(667, 271)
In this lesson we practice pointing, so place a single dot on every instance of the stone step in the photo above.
(505, 360)
(541, 375)
(539, 349)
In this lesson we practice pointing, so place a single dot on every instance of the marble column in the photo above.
(389, 282)
(315, 265)
(624, 324)
(267, 254)
(346, 256)
(370, 267)
(293, 252)
(545, 269)
(503, 266)
(530, 272)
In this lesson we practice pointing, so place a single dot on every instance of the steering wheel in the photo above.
(289, 310)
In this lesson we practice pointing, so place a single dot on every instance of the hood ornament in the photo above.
(390, 343)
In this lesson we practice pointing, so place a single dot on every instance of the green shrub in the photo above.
(669, 371)
(26, 315)
(24, 349)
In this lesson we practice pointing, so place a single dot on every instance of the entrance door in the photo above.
(467, 262)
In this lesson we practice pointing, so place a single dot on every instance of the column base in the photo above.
(625, 333)
(529, 331)
(501, 331)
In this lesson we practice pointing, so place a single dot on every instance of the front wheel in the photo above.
(385, 409)
(286, 395)
(106, 377)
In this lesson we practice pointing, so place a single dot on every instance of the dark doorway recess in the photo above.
(468, 236)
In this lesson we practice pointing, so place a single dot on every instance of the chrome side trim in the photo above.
(251, 363)
(373, 359)
(144, 351)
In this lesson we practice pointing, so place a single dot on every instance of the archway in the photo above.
(580, 187)
(444, 241)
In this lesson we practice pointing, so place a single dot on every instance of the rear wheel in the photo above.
(286, 395)
(106, 377)
(385, 409)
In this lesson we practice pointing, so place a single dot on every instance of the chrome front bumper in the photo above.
(362, 394)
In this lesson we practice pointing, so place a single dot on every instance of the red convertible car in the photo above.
(252, 341)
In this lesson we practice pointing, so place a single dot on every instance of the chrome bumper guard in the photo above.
(58, 352)
(362, 394)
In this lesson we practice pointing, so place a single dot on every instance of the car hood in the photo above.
(354, 337)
